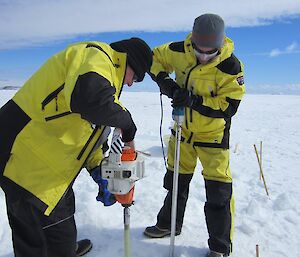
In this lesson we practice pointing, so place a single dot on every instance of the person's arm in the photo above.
(93, 98)
(162, 60)
(162, 67)
(231, 88)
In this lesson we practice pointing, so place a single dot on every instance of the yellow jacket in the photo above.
(219, 85)
(59, 115)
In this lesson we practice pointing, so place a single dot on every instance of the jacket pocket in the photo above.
(87, 143)
(52, 96)
(56, 116)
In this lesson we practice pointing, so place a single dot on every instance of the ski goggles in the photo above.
(205, 55)
(196, 48)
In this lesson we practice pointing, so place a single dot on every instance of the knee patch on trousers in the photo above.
(218, 193)
(183, 180)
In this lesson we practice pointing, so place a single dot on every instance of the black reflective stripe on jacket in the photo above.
(209, 112)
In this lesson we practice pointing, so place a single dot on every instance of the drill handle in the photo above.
(178, 115)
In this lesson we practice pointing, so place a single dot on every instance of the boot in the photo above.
(83, 247)
(157, 232)
(216, 254)
(162, 227)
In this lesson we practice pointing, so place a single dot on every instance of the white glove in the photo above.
(117, 146)
(116, 142)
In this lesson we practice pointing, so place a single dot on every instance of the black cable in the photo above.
(160, 130)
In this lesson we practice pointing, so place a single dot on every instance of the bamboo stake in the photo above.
(260, 152)
(144, 153)
(259, 163)
(261, 171)
(257, 250)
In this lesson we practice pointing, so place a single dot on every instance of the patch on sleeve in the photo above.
(240, 80)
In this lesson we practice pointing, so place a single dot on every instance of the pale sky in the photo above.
(266, 32)
(27, 22)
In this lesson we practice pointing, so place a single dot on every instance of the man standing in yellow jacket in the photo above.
(209, 84)
(52, 128)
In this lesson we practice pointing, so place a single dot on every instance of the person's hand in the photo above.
(104, 196)
(182, 98)
(166, 85)
(129, 134)
(130, 145)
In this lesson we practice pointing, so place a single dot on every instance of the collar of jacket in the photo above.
(119, 61)
(225, 52)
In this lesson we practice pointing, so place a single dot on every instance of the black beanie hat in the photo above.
(139, 55)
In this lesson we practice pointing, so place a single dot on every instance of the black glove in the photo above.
(129, 133)
(166, 85)
(183, 98)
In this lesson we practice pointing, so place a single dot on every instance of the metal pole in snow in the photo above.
(178, 116)
(127, 243)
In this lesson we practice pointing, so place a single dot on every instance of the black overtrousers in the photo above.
(217, 209)
(37, 235)
(218, 215)
(164, 215)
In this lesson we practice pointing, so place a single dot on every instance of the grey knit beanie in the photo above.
(208, 31)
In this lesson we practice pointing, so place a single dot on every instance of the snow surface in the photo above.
(271, 222)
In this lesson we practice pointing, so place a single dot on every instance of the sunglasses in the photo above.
(213, 51)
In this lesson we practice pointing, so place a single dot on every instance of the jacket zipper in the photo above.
(186, 85)
(51, 96)
(191, 110)
(86, 144)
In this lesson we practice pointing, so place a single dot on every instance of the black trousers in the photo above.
(216, 209)
(164, 215)
(37, 235)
